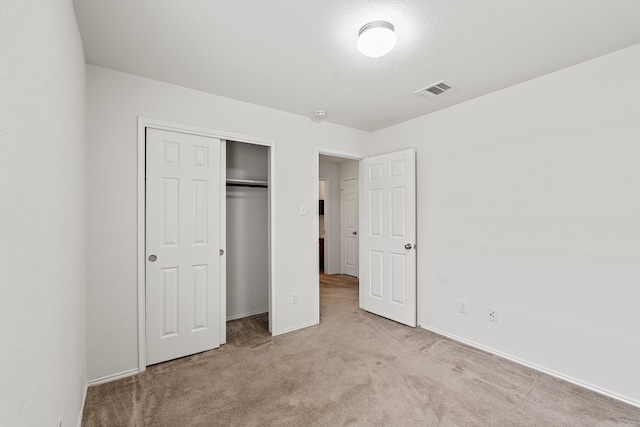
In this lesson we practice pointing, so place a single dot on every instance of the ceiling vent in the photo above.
(435, 89)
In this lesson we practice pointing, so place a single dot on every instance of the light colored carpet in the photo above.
(354, 368)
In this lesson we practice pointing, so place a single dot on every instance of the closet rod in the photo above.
(246, 183)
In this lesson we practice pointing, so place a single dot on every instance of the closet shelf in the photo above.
(246, 183)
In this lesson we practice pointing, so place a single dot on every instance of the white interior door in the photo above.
(182, 244)
(388, 236)
(350, 226)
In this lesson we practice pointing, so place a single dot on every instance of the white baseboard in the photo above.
(84, 401)
(113, 377)
(294, 328)
(535, 367)
(243, 315)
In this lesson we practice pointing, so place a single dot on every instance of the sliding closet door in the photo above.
(182, 244)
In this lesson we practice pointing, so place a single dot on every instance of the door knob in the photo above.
(408, 246)
(153, 258)
(354, 232)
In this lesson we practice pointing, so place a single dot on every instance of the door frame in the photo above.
(147, 122)
(335, 153)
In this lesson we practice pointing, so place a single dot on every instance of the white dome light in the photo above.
(376, 38)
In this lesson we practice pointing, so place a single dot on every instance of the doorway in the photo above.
(215, 190)
(337, 226)
(333, 169)
(387, 250)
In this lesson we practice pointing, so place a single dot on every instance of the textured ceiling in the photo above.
(300, 55)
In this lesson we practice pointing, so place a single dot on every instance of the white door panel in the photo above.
(388, 236)
(350, 227)
(182, 224)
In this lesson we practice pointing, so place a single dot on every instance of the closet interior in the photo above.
(247, 196)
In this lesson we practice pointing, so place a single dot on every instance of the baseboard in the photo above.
(251, 313)
(295, 328)
(113, 377)
(84, 401)
(538, 368)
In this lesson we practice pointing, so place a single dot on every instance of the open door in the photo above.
(388, 236)
(349, 224)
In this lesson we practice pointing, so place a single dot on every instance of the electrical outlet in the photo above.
(294, 298)
(463, 307)
(493, 315)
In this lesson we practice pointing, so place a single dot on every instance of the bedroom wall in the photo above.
(529, 203)
(114, 101)
(42, 218)
(349, 169)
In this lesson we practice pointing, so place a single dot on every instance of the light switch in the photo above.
(303, 209)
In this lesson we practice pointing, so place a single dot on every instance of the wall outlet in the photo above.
(294, 298)
(493, 315)
(463, 307)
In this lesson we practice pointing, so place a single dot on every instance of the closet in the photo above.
(247, 224)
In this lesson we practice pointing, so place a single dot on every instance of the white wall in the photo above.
(332, 245)
(529, 202)
(348, 169)
(114, 100)
(247, 248)
(42, 220)
(247, 161)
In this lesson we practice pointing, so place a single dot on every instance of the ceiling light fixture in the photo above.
(376, 38)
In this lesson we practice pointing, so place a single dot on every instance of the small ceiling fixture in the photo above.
(435, 89)
(376, 38)
(320, 114)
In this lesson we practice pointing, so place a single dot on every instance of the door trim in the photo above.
(147, 122)
(327, 152)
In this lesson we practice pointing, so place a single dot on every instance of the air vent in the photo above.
(435, 89)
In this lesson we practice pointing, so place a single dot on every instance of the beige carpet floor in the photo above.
(354, 368)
